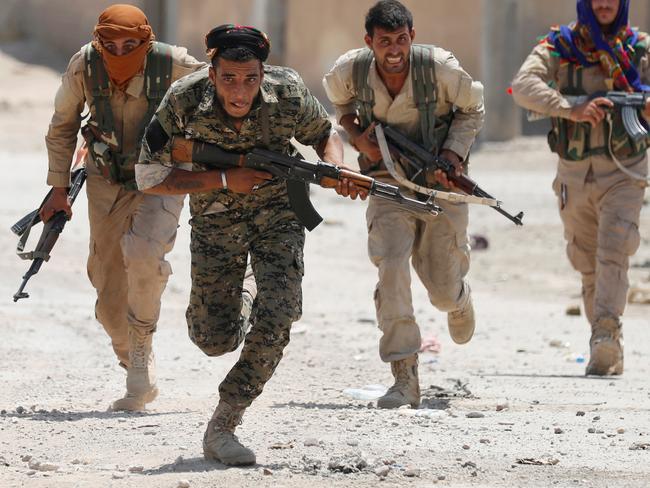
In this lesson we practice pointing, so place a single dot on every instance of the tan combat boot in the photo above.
(461, 323)
(406, 390)
(220, 442)
(140, 376)
(606, 345)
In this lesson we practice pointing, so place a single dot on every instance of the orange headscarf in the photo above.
(120, 21)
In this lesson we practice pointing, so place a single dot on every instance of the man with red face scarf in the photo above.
(121, 76)
(602, 171)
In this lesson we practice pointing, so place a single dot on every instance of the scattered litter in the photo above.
(282, 445)
(430, 344)
(559, 344)
(474, 415)
(458, 390)
(640, 446)
(347, 464)
(478, 242)
(573, 310)
(538, 462)
(367, 392)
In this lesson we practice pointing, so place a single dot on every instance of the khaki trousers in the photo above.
(601, 228)
(130, 233)
(438, 247)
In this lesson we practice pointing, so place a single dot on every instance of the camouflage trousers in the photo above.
(220, 246)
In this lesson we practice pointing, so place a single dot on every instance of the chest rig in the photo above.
(572, 140)
(99, 132)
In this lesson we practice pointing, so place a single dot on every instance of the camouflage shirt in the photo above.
(190, 109)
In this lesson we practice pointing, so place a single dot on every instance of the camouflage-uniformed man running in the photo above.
(239, 104)
(599, 204)
(437, 246)
(122, 76)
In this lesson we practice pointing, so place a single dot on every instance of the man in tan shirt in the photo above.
(437, 246)
(599, 202)
(121, 76)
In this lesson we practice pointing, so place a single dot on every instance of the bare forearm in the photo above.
(351, 126)
(331, 149)
(180, 182)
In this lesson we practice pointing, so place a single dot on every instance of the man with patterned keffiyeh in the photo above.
(599, 203)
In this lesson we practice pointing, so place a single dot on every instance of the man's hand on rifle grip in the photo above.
(456, 161)
(57, 201)
(365, 144)
(592, 111)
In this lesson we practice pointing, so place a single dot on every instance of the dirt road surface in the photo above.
(512, 408)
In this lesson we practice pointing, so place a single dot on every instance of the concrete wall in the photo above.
(491, 38)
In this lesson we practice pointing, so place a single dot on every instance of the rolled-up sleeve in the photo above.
(532, 87)
(61, 138)
(466, 95)
(339, 85)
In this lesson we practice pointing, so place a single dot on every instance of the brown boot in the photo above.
(606, 345)
(140, 376)
(461, 323)
(406, 390)
(220, 442)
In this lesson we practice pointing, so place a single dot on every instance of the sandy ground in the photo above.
(515, 395)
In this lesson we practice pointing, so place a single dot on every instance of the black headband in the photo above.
(231, 36)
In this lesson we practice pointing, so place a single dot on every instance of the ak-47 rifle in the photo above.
(51, 231)
(629, 104)
(394, 145)
(298, 174)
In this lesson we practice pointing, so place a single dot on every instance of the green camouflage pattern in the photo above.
(260, 225)
(220, 244)
(190, 110)
(571, 140)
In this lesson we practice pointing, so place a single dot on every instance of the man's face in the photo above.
(391, 48)
(237, 84)
(605, 11)
(121, 46)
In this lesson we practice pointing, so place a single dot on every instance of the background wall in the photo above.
(491, 38)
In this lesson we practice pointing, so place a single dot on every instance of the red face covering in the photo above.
(118, 22)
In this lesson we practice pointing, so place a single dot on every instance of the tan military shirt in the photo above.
(128, 109)
(456, 91)
(537, 87)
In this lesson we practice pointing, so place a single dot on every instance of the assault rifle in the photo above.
(395, 145)
(298, 174)
(49, 236)
(629, 104)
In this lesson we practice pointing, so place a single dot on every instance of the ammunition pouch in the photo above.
(116, 168)
(571, 140)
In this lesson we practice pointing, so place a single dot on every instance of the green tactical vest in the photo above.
(116, 167)
(571, 140)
